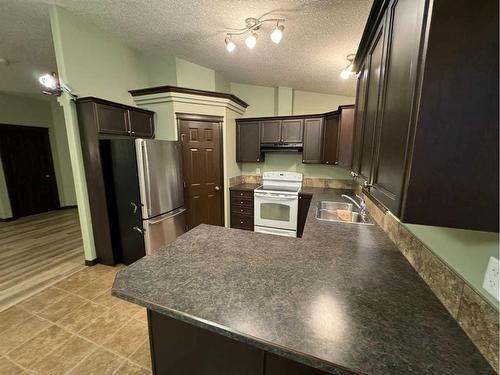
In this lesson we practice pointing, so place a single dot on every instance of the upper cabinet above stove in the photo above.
(322, 139)
(426, 122)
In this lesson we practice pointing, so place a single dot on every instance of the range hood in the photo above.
(281, 147)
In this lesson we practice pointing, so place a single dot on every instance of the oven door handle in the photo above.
(278, 197)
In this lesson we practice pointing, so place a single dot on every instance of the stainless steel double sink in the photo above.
(328, 211)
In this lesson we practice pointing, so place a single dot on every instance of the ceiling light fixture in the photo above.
(52, 85)
(347, 71)
(252, 25)
(277, 33)
(251, 40)
(230, 46)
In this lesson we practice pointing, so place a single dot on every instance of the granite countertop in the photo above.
(342, 298)
(246, 187)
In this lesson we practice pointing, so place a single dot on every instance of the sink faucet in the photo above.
(361, 205)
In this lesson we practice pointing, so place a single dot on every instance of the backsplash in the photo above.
(475, 315)
(311, 182)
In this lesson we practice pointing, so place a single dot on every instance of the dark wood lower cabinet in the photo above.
(179, 348)
(304, 203)
(242, 209)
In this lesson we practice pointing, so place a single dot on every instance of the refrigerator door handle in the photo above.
(167, 216)
(147, 178)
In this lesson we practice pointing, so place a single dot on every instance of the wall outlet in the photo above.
(491, 278)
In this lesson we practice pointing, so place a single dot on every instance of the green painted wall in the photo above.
(305, 102)
(30, 111)
(96, 64)
(222, 84)
(194, 76)
(160, 71)
(260, 99)
(465, 251)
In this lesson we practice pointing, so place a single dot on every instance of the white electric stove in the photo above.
(276, 203)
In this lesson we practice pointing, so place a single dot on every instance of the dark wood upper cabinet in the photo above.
(270, 131)
(374, 61)
(141, 124)
(331, 139)
(313, 141)
(111, 119)
(426, 122)
(346, 134)
(359, 119)
(248, 142)
(117, 119)
(292, 131)
(402, 45)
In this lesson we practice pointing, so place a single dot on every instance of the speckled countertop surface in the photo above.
(342, 298)
(246, 187)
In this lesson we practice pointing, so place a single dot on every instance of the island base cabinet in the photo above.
(179, 348)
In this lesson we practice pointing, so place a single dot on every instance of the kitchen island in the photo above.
(341, 300)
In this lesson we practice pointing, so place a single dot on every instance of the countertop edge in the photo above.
(277, 349)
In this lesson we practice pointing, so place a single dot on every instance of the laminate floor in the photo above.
(75, 327)
(36, 252)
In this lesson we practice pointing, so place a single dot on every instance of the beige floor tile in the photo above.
(43, 299)
(100, 362)
(128, 338)
(40, 345)
(62, 359)
(142, 355)
(106, 299)
(141, 315)
(129, 368)
(91, 290)
(128, 308)
(15, 336)
(9, 368)
(73, 283)
(59, 309)
(12, 317)
(78, 319)
(104, 326)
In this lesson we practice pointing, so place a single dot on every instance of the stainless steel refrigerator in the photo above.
(144, 188)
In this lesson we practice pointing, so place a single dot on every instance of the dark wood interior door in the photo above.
(201, 138)
(29, 170)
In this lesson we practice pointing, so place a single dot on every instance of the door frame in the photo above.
(179, 116)
(8, 173)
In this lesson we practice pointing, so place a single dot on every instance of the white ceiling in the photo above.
(318, 35)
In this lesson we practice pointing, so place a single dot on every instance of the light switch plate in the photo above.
(491, 278)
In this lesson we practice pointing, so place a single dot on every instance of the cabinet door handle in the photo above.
(134, 207)
(138, 230)
(336, 163)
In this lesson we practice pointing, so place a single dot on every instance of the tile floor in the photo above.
(75, 327)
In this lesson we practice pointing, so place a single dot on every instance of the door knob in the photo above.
(217, 188)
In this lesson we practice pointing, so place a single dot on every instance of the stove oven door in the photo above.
(276, 210)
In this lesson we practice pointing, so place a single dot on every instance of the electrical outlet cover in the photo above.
(491, 278)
